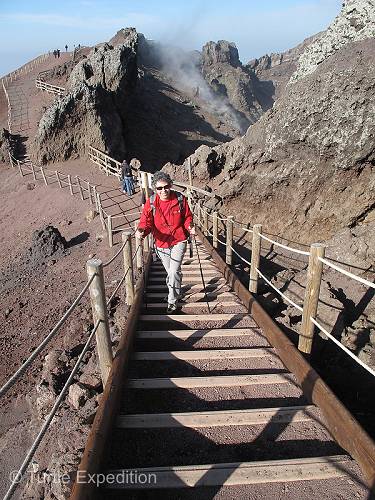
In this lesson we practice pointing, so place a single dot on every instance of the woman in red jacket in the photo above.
(168, 217)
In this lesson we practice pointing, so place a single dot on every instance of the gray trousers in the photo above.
(172, 259)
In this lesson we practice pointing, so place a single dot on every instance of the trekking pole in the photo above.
(200, 269)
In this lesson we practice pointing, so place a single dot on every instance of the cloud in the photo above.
(131, 18)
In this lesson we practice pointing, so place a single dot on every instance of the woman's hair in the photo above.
(160, 176)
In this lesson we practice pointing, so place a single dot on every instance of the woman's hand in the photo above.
(192, 231)
(139, 234)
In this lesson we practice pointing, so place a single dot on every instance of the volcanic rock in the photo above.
(91, 113)
(355, 22)
(46, 243)
(8, 144)
(78, 395)
(310, 159)
(232, 83)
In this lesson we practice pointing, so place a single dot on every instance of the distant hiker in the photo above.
(58, 53)
(168, 217)
(127, 179)
(55, 54)
(66, 48)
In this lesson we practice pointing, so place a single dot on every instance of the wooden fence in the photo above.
(53, 89)
(26, 68)
(208, 220)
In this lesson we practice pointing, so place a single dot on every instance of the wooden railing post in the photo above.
(255, 258)
(228, 249)
(205, 222)
(128, 267)
(189, 172)
(145, 184)
(310, 303)
(80, 187)
(43, 175)
(99, 205)
(109, 230)
(58, 178)
(215, 230)
(70, 185)
(199, 214)
(139, 252)
(89, 192)
(188, 196)
(33, 170)
(99, 313)
(95, 198)
(19, 168)
(146, 244)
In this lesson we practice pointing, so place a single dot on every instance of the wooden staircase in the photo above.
(208, 410)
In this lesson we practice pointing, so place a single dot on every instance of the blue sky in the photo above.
(257, 27)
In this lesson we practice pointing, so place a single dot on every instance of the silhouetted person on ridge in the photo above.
(58, 53)
(66, 48)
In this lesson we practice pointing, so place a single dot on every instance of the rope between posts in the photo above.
(125, 215)
(302, 252)
(240, 256)
(117, 287)
(218, 239)
(49, 418)
(347, 273)
(339, 344)
(279, 292)
(241, 225)
(41, 346)
(135, 253)
(115, 256)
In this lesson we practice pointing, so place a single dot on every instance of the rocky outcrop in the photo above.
(309, 162)
(8, 144)
(237, 87)
(86, 116)
(355, 22)
(274, 70)
(92, 112)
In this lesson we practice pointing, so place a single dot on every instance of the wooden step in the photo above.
(204, 354)
(230, 474)
(187, 265)
(194, 288)
(196, 296)
(199, 334)
(187, 272)
(218, 418)
(194, 305)
(188, 279)
(183, 318)
(221, 381)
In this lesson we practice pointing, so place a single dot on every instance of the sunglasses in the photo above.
(166, 187)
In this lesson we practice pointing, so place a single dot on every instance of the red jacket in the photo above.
(169, 226)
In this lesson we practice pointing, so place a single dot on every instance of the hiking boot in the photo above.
(171, 308)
